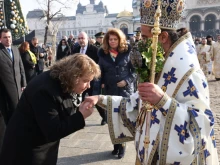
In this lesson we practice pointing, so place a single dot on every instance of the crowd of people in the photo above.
(170, 121)
(202, 33)
(208, 55)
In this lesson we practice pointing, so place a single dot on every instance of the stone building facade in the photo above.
(202, 17)
(91, 18)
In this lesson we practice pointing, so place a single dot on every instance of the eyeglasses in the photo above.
(63, 42)
(81, 38)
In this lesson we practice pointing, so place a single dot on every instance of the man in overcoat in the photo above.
(91, 51)
(12, 78)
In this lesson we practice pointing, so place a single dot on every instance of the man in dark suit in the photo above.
(71, 42)
(85, 48)
(12, 76)
(91, 51)
(37, 50)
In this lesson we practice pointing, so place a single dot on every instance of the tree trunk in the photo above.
(54, 37)
(45, 35)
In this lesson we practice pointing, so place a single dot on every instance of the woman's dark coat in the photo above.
(43, 116)
(29, 66)
(114, 72)
(63, 53)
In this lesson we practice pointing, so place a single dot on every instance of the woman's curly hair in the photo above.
(68, 70)
(122, 47)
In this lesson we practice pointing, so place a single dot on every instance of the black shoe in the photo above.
(116, 149)
(121, 152)
(103, 122)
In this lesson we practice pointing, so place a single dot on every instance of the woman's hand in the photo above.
(86, 108)
(149, 92)
(122, 84)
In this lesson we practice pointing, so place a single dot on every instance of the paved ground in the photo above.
(214, 87)
(92, 145)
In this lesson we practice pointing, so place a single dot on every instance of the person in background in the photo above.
(197, 43)
(203, 52)
(36, 49)
(29, 61)
(179, 128)
(49, 109)
(65, 38)
(215, 54)
(63, 50)
(97, 84)
(99, 39)
(41, 60)
(71, 42)
(44, 51)
(117, 72)
(91, 41)
(210, 40)
(138, 36)
(12, 79)
(50, 56)
(91, 51)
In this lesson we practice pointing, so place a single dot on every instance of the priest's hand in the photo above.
(149, 92)
(86, 109)
(92, 100)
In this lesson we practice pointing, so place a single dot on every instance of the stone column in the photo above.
(186, 24)
(217, 24)
(202, 25)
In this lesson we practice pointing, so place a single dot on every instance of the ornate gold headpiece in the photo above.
(171, 11)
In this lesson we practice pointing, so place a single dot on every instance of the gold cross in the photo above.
(146, 142)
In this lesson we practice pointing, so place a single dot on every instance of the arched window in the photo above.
(195, 22)
(210, 22)
(124, 28)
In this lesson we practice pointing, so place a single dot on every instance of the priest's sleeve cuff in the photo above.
(163, 101)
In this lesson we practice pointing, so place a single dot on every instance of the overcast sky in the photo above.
(114, 6)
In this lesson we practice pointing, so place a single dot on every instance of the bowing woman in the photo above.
(117, 72)
(49, 109)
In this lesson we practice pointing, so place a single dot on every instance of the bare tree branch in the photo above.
(51, 9)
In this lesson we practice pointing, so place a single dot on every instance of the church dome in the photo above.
(101, 3)
(125, 14)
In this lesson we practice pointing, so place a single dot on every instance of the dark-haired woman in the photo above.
(63, 50)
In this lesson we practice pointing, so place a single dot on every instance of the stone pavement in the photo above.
(214, 87)
(92, 145)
